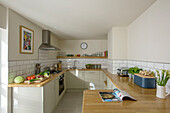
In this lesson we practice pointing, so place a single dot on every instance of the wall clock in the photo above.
(84, 45)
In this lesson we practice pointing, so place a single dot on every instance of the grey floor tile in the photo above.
(70, 103)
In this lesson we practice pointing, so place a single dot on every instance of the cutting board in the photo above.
(36, 81)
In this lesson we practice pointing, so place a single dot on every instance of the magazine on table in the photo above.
(116, 95)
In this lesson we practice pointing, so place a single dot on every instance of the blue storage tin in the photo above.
(145, 81)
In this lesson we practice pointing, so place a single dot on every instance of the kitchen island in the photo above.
(147, 102)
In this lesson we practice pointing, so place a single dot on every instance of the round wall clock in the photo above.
(84, 45)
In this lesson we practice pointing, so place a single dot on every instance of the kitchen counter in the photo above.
(52, 77)
(147, 102)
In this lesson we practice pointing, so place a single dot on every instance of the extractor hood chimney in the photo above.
(46, 41)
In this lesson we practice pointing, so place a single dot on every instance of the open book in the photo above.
(116, 95)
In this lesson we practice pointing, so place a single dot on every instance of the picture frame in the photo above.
(26, 40)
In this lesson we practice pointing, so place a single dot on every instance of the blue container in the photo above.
(145, 82)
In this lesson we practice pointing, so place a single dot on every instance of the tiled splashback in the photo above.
(113, 65)
(27, 67)
(80, 63)
(152, 66)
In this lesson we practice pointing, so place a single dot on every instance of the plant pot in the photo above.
(132, 76)
(161, 91)
(87, 66)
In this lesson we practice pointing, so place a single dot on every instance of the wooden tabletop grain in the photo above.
(147, 102)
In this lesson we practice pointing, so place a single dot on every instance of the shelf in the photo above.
(81, 57)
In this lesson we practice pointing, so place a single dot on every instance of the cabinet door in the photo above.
(110, 84)
(27, 100)
(56, 91)
(49, 97)
(75, 79)
(103, 80)
(92, 80)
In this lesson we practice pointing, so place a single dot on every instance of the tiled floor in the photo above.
(70, 103)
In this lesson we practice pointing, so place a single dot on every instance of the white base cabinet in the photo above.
(75, 79)
(93, 80)
(37, 99)
(28, 100)
(110, 84)
(49, 97)
(45, 99)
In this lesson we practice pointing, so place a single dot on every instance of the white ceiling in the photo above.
(80, 19)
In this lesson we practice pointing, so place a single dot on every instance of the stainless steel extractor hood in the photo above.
(46, 41)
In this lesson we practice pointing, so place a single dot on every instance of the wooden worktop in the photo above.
(52, 77)
(147, 102)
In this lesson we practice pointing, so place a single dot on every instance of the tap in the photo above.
(74, 67)
(37, 68)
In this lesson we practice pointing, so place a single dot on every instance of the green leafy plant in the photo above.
(163, 78)
(134, 70)
(88, 64)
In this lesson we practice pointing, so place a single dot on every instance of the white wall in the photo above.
(73, 46)
(15, 20)
(3, 60)
(117, 43)
(149, 35)
(3, 18)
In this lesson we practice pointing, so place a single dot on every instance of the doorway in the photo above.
(3, 70)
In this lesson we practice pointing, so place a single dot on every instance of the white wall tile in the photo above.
(151, 65)
(20, 63)
(159, 66)
(167, 66)
(26, 62)
(12, 63)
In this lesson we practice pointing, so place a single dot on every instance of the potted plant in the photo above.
(133, 70)
(162, 80)
(88, 66)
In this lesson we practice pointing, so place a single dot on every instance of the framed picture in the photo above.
(26, 40)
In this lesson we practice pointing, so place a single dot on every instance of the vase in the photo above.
(161, 91)
(130, 76)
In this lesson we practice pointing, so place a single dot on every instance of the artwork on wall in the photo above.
(26, 40)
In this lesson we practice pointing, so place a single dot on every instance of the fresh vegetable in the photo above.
(162, 78)
(39, 76)
(46, 74)
(146, 73)
(28, 78)
(134, 70)
(19, 79)
(33, 76)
